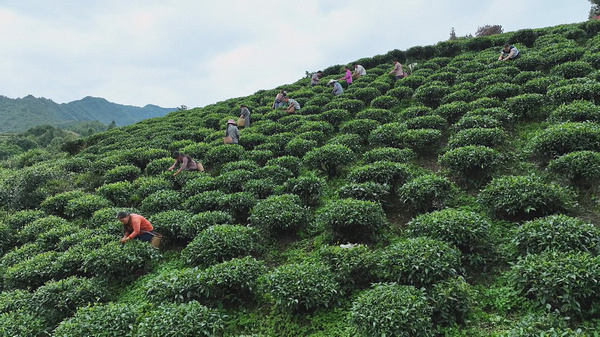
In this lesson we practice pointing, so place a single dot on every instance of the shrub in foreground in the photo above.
(351, 220)
(187, 319)
(281, 214)
(111, 319)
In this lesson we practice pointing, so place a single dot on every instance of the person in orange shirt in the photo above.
(135, 226)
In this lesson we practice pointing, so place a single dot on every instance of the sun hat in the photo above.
(331, 81)
(231, 121)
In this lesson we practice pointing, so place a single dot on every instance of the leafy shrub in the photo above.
(468, 231)
(48, 238)
(250, 141)
(560, 139)
(426, 122)
(576, 111)
(452, 112)
(384, 102)
(115, 260)
(524, 197)
(392, 310)
(222, 154)
(431, 94)
(503, 116)
(85, 206)
(33, 272)
(57, 300)
(261, 188)
(201, 221)
(526, 105)
(111, 319)
(419, 262)
(426, 193)
(203, 183)
(329, 158)
(572, 69)
(300, 287)
(389, 135)
(278, 174)
(298, 147)
(22, 323)
(167, 319)
(289, 162)
(281, 214)
(122, 173)
(500, 90)
(351, 220)
(422, 141)
(526, 37)
(351, 266)
(382, 172)
(232, 181)
(380, 115)
(389, 154)
(581, 168)
(367, 94)
(559, 233)
(105, 220)
(335, 117)
(220, 243)
(321, 126)
(21, 218)
(473, 164)
(119, 193)
(7, 239)
(361, 127)
(171, 223)
(401, 93)
(469, 122)
(546, 324)
(161, 201)
(451, 301)
(205, 201)
(55, 205)
(368, 191)
(559, 281)
(307, 186)
(537, 85)
(571, 92)
(458, 95)
(492, 138)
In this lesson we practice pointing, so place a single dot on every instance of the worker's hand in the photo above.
(170, 169)
(174, 174)
(124, 239)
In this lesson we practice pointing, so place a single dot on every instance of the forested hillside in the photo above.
(23, 113)
(461, 200)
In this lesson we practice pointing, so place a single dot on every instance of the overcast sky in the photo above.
(194, 53)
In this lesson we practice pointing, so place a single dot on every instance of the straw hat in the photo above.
(231, 121)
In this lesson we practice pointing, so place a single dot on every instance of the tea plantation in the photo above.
(461, 200)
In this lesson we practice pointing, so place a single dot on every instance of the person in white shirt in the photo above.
(358, 71)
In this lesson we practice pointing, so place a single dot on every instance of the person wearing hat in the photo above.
(135, 226)
(185, 163)
(232, 131)
(245, 114)
(337, 88)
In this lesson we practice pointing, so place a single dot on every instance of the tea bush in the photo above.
(576, 111)
(21, 218)
(432, 93)
(470, 122)
(458, 95)
(559, 233)
(571, 92)
(48, 239)
(426, 122)
(401, 93)
(543, 324)
(451, 300)
(361, 127)
(506, 118)
(161, 201)
(171, 223)
(280, 214)
(203, 183)
(258, 156)
(205, 201)
(232, 181)
(452, 112)
(335, 117)
(384, 102)
(426, 193)
(167, 319)
(390, 309)
(289, 162)
(391, 154)
(559, 281)
(33, 272)
(201, 221)
(329, 158)
(261, 188)
(7, 238)
(381, 115)
(31, 231)
(466, 230)
(367, 94)
(572, 69)
(500, 90)
(121, 173)
(298, 147)
(250, 141)
(278, 174)
(368, 191)
(119, 193)
(321, 126)
(581, 168)
(22, 323)
(351, 220)
(560, 139)
(220, 243)
(57, 300)
(525, 197)
(490, 137)
(389, 135)
(525, 105)
(222, 154)
(110, 319)
(55, 205)
(300, 287)
(473, 164)
(382, 172)
(537, 85)
(85, 206)
(19, 254)
(352, 267)
(115, 260)
(418, 262)
(307, 186)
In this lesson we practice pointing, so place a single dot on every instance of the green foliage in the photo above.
(490, 137)
(567, 282)
(201, 221)
(432, 93)
(390, 309)
(171, 223)
(558, 233)
(552, 324)
(426, 122)
(571, 92)
(307, 186)
(21, 218)
(300, 287)
(279, 214)
(572, 69)
(384, 102)
(329, 158)
(473, 164)
(202, 183)
(525, 197)
(122, 173)
(382, 172)
(110, 319)
(560, 139)
(451, 301)
(205, 201)
(161, 201)
(55, 205)
(367, 94)
(401, 93)
(380, 115)
(525, 105)
(220, 243)
(468, 231)
(389, 135)
(298, 147)
(31, 231)
(419, 262)
(289, 162)
(145, 186)
(351, 220)
(576, 111)
(33, 272)
(426, 193)
(278, 174)
(7, 238)
(157, 166)
(115, 260)
(57, 300)
(119, 193)
(452, 112)
(22, 323)
(391, 154)
(368, 191)
(222, 154)
(168, 320)
(581, 168)
(85, 206)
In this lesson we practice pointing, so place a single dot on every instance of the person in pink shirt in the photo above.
(347, 77)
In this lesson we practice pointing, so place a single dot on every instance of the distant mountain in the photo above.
(20, 114)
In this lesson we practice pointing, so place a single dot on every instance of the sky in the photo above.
(195, 53)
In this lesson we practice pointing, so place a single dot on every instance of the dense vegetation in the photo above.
(461, 200)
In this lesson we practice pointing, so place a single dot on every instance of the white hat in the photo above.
(331, 81)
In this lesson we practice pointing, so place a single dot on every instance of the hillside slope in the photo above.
(23, 113)
(462, 200)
